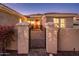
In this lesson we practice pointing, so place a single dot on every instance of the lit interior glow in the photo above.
(29, 22)
(36, 24)
(62, 23)
(20, 20)
(32, 22)
(56, 22)
(24, 19)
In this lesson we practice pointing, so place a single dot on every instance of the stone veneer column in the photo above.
(51, 38)
(23, 38)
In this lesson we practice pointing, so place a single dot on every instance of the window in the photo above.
(59, 22)
(62, 23)
(76, 23)
(56, 22)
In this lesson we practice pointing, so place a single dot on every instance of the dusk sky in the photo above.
(34, 8)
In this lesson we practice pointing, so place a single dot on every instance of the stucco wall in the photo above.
(69, 22)
(68, 39)
(6, 18)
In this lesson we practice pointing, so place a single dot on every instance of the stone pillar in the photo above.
(23, 38)
(51, 38)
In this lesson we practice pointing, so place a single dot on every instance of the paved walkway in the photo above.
(42, 52)
(37, 52)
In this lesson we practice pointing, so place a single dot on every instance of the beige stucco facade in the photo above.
(68, 39)
(65, 40)
(9, 16)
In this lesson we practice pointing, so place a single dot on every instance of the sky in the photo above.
(35, 8)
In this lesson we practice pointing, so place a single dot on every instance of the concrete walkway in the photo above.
(37, 52)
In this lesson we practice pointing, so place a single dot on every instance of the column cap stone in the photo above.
(49, 24)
